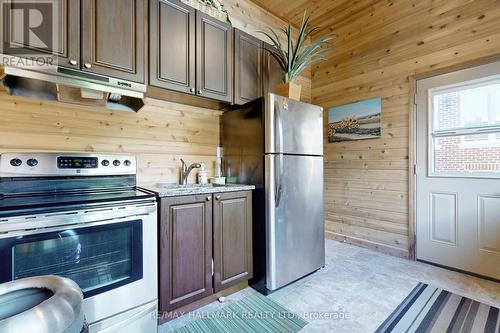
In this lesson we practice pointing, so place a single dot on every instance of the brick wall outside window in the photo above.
(479, 152)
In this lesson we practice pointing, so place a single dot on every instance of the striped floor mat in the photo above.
(253, 314)
(431, 309)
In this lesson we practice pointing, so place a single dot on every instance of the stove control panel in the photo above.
(65, 164)
(75, 162)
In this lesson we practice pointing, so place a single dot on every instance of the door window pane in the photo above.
(92, 259)
(474, 106)
(467, 154)
(465, 129)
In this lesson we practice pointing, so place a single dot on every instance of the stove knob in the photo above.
(16, 162)
(32, 162)
(116, 163)
(105, 163)
(127, 163)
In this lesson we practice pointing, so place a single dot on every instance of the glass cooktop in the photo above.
(19, 204)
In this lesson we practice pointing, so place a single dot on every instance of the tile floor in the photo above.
(361, 286)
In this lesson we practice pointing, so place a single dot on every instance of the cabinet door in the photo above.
(247, 67)
(113, 38)
(232, 239)
(273, 74)
(57, 37)
(185, 260)
(214, 58)
(172, 45)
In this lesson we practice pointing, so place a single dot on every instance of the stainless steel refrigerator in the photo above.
(276, 144)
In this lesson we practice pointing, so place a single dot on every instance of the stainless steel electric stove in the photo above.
(80, 216)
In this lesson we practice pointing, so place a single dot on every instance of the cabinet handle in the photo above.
(87, 65)
(209, 198)
(192, 90)
(73, 62)
(217, 197)
(200, 92)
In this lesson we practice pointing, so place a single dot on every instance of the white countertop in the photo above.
(174, 190)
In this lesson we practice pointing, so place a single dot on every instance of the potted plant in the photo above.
(295, 56)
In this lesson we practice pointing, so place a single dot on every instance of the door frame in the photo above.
(412, 155)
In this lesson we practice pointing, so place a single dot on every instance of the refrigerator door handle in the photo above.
(279, 124)
(278, 174)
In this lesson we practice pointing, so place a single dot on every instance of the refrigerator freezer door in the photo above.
(292, 127)
(294, 217)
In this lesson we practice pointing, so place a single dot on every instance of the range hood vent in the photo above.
(56, 83)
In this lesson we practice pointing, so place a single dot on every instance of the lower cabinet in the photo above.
(185, 258)
(232, 239)
(205, 246)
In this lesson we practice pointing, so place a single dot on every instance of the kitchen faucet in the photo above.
(185, 171)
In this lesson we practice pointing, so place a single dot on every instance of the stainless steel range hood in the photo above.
(25, 78)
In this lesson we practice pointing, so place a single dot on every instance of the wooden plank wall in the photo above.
(378, 48)
(159, 135)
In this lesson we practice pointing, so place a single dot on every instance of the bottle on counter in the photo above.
(202, 175)
(218, 162)
(218, 179)
(230, 179)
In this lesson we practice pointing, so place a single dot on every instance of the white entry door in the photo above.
(458, 170)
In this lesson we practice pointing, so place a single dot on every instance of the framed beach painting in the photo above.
(355, 121)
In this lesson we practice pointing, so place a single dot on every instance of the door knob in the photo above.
(73, 62)
(209, 198)
(192, 90)
(87, 65)
(217, 197)
(200, 92)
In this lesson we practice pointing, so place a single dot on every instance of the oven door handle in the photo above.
(30, 232)
(72, 219)
(61, 228)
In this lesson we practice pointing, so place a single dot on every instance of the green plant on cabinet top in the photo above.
(296, 56)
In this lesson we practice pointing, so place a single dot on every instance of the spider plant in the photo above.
(297, 55)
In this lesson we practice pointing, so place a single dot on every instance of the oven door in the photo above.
(113, 261)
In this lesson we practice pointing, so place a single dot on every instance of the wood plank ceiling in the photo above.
(324, 13)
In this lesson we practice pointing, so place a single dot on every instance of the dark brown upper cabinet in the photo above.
(62, 44)
(232, 239)
(172, 46)
(273, 74)
(214, 58)
(190, 52)
(248, 59)
(185, 258)
(113, 34)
